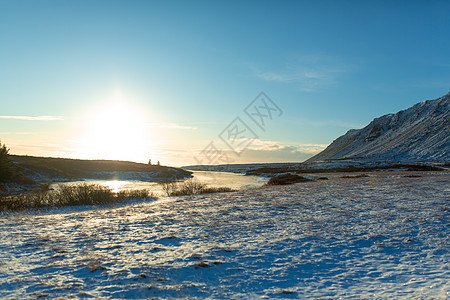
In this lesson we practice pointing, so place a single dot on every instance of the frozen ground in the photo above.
(383, 236)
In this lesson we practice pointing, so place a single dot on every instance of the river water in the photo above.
(212, 179)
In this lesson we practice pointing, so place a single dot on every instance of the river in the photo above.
(213, 179)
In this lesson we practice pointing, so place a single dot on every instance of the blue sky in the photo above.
(182, 71)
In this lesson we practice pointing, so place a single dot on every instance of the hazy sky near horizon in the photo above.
(166, 80)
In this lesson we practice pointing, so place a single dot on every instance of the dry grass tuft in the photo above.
(203, 264)
(412, 176)
(189, 187)
(355, 176)
(86, 194)
(286, 179)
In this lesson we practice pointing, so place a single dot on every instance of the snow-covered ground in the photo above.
(382, 236)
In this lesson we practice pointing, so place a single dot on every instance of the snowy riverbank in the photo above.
(382, 236)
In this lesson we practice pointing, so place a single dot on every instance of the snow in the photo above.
(382, 236)
(419, 133)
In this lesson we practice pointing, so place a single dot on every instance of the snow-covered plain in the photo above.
(382, 236)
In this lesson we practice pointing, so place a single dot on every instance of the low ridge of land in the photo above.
(34, 172)
(51, 167)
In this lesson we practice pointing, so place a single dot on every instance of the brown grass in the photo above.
(70, 196)
(355, 176)
(287, 179)
(189, 187)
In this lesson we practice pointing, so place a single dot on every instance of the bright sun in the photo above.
(117, 132)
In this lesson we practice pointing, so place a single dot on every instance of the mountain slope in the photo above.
(419, 133)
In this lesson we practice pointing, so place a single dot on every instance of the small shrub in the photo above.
(190, 187)
(70, 196)
(6, 166)
(287, 179)
(220, 189)
(169, 187)
(86, 194)
(25, 201)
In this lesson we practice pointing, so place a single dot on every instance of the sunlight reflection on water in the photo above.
(213, 179)
(116, 185)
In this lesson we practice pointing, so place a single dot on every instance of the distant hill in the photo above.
(60, 169)
(420, 133)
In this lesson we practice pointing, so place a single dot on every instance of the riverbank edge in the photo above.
(37, 173)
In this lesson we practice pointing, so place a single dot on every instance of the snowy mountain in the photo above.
(417, 134)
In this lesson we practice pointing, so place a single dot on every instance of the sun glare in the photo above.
(117, 132)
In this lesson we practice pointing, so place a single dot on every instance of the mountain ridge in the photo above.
(420, 133)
